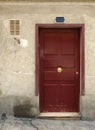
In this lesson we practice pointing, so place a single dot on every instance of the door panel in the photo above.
(50, 43)
(68, 101)
(68, 61)
(68, 75)
(59, 62)
(67, 42)
(48, 93)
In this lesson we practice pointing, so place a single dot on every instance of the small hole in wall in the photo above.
(14, 27)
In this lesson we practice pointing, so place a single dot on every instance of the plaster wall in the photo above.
(17, 64)
(46, 1)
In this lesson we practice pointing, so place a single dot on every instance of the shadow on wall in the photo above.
(18, 106)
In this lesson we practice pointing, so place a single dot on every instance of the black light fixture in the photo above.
(60, 19)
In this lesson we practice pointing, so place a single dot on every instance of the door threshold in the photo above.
(66, 115)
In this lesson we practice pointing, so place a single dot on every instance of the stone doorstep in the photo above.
(41, 128)
(56, 115)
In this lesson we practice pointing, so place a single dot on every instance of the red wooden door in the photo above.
(59, 70)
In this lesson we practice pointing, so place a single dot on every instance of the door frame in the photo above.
(82, 53)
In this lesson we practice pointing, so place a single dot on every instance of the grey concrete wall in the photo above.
(17, 64)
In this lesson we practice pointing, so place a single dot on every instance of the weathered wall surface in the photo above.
(47, 0)
(17, 64)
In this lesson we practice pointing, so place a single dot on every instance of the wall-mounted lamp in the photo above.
(60, 19)
(22, 42)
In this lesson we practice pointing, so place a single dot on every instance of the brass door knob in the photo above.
(59, 69)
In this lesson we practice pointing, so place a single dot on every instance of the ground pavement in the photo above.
(12, 123)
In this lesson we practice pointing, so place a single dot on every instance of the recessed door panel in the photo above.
(68, 61)
(50, 43)
(51, 91)
(69, 74)
(68, 42)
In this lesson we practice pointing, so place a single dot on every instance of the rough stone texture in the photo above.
(17, 64)
(44, 124)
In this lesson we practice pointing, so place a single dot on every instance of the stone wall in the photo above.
(47, 0)
(17, 64)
